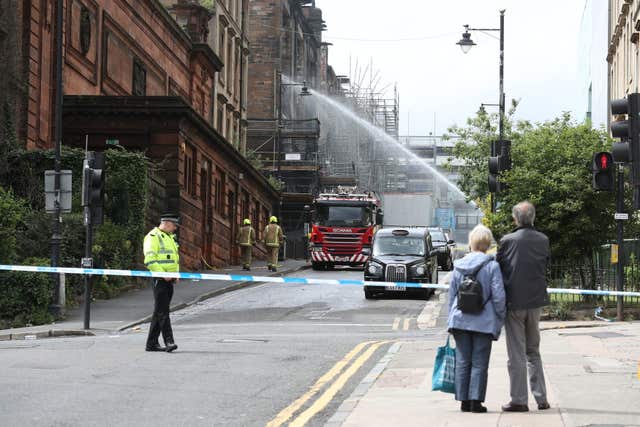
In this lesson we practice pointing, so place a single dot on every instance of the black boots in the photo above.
(472, 406)
(155, 347)
(476, 406)
(170, 346)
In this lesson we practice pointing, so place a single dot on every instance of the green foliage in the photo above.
(258, 164)
(207, 3)
(474, 146)
(275, 183)
(25, 296)
(560, 310)
(114, 249)
(551, 169)
(117, 243)
(12, 214)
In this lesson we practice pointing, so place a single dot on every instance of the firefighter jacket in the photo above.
(161, 253)
(273, 235)
(246, 236)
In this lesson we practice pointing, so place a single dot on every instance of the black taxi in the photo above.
(401, 254)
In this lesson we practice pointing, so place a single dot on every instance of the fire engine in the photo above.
(342, 225)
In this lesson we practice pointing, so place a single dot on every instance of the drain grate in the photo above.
(241, 340)
(603, 335)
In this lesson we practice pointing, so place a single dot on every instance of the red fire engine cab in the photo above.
(342, 225)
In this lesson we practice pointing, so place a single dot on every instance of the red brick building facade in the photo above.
(133, 75)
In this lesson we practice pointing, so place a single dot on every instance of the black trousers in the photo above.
(161, 322)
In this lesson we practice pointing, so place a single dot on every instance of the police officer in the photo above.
(246, 238)
(273, 238)
(161, 255)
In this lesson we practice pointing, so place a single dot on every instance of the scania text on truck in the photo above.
(342, 225)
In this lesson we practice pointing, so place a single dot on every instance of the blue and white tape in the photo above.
(271, 279)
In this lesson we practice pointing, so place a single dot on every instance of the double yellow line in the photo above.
(365, 349)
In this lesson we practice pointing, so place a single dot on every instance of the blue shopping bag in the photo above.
(443, 378)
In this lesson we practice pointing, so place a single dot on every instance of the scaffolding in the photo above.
(348, 150)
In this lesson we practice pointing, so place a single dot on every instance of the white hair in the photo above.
(480, 238)
(524, 213)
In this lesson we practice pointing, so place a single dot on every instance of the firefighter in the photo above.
(161, 254)
(246, 238)
(273, 238)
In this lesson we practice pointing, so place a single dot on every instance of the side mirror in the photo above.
(366, 251)
(308, 213)
(379, 217)
(451, 242)
(434, 252)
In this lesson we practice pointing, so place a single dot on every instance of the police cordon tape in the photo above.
(272, 279)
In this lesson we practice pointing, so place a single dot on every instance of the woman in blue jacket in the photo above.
(474, 332)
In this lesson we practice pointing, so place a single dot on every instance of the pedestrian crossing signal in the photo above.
(603, 178)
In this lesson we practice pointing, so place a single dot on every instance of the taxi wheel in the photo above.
(368, 294)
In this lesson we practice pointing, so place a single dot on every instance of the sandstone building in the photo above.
(149, 75)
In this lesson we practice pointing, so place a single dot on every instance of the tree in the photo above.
(551, 169)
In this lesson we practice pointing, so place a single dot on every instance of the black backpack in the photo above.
(470, 295)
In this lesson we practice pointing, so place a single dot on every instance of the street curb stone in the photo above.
(51, 333)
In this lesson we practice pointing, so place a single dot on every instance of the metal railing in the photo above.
(587, 276)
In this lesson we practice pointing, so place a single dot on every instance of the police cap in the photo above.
(171, 217)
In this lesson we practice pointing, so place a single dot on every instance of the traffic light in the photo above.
(628, 130)
(603, 168)
(494, 171)
(498, 163)
(93, 185)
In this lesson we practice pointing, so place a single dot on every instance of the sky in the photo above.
(439, 86)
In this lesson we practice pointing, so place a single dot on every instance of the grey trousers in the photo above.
(523, 348)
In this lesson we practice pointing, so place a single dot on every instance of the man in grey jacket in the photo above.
(523, 256)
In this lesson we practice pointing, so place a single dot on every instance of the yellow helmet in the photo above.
(246, 221)
(273, 219)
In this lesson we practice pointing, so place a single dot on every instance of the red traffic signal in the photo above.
(602, 171)
(604, 161)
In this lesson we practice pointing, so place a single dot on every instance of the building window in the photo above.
(219, 196)
(236, 80)
(236, 132)
(139, 78)
(221, 45)
(229, 65)
(265, 218)
(189, 170)
(220, 118)
(231, 206)
(255, 217)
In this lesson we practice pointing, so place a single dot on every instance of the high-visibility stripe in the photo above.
(294, 280)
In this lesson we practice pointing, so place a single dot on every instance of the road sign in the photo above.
(51, 198)
(622, 216)
(614, 254)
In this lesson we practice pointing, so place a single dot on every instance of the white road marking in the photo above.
(396, 324)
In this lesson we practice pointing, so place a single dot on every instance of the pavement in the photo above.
(592, 368)
(136, 306)
(592, 372)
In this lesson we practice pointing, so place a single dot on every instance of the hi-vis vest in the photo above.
(246, 236)
(273, 235)
(161, 253)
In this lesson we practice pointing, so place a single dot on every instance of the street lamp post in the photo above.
(466, 44)
(56, 307)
